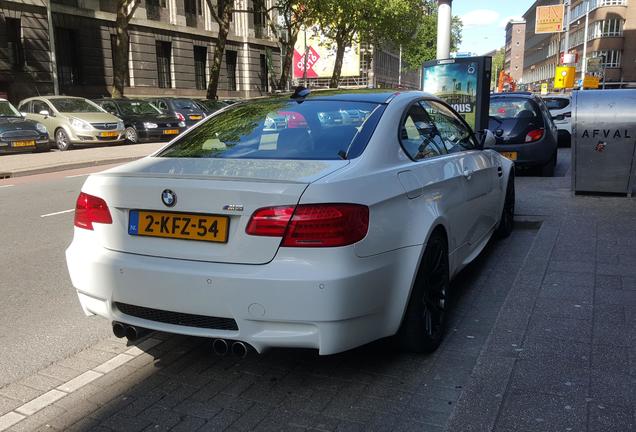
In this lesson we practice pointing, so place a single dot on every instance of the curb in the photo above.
(66, 167)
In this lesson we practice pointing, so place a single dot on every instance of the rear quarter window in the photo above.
(556, 103)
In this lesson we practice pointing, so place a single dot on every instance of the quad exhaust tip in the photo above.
(223, 347)
(220, 347)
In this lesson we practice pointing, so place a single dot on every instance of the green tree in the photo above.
(125, 11)
(423, 46)
(497, 66)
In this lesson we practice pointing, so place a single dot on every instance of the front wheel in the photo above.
(62, 140)
(130, 134)
(423, 327)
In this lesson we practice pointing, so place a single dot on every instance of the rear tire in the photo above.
(547, 170)
(423, 326)
(507, 220)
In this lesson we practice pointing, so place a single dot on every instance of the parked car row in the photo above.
(67, 121)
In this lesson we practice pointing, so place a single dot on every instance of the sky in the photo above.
(485, 22)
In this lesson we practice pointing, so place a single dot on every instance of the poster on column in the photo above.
(321, 56)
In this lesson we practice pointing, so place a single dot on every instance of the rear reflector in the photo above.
(89, 209)
(534, 135)
(312, 225)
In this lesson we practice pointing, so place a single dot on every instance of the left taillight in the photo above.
(90, 209)
(534, 135)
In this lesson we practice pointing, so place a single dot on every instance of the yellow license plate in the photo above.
(196, 117)
(108, 134)
(171, 132)
(510, 155)
(188, 226)
(30, 143)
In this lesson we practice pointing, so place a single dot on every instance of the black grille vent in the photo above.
(17, 134)
(178, 318)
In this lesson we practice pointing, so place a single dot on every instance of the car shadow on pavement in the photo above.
(180, 383)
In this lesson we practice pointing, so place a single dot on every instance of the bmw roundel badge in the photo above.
(169, 198)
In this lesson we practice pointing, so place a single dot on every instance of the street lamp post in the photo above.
(444, 18)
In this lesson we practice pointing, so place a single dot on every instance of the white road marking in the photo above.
(4, 186)
(57, 213)
(78, 175)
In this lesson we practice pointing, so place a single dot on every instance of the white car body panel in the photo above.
(331, 299)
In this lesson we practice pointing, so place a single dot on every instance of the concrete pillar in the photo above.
(444, 17)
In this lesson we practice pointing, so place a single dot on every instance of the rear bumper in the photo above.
(330, 300)
(7, 147)
(529, 154)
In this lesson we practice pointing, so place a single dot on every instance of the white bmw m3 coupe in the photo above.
(317, 234)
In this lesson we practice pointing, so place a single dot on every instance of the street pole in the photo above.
(56, 84)
(400, 67)
(444, 18)
(584, 66)
(566, 48)
(305, 62)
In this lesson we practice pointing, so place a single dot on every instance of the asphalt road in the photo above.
(40, 318)
(41, 321)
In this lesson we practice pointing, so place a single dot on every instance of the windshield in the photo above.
(185, 104)
(7, 110)
(282, 129)
(511, 108)
(137, 107)
(556, 103)
(74, 105)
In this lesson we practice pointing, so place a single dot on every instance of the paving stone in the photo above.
(161, 419)
(552, 375)
(567, 291)
(73, 412)
(564, 308)
(19, 392)
(545, 326)
(613, 388)
(572, 266)
(59, 372)
(608, 333)
(188, 424)
(232, 402)
(197, 409)
(79, 364)
(605, 418)
(9, 419)
(38, 419)
(540, 412)
(126, 424)
(221, 421)
(252, 417)
(628, 283)
(624, 269)
(7, 404)
(607, 282)
(41, 382)
(40, 402)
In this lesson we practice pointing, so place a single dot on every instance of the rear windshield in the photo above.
(282, 129)
(512, 108)
(556, 103)
(72, 105)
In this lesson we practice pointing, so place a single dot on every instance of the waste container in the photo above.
(604, 141)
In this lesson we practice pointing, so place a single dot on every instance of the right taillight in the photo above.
(180, 116)
(312, 225)
(90, 209)
(534, 135)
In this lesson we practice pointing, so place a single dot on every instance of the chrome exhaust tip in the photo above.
(119, 330)
(220, 347)
(239, 349)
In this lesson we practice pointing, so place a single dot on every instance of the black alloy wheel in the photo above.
(62, 140)
(423, 326)
(507, 220)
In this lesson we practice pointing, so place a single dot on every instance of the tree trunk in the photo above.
(125, 11)
(287, 60)
(219, 50)
(337, 68)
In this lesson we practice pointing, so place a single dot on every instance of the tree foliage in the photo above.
(497, 66)
(423, 46)
(125, 11)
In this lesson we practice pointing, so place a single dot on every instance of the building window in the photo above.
(68, 57)
(190, 7)
(164, 51)
(14, 39)
(153, 9)
(606, 28)
(200, 56)
(113, 50)
(611, 58)
(264, 73)
(230, 64)
(72, 3)
(260, 18)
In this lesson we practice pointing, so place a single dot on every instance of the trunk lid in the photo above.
(513, 131)
(217, 187)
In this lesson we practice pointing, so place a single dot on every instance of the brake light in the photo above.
(90, 209)
(312, 225)
(534, 135)
(180, 116)
(270, 221)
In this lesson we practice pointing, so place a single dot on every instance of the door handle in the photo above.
(499, 171)
(468, 174)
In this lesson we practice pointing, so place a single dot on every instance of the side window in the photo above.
(110, 107)
(38, 106)
(455, 134)
(25, 107)
(419, 137)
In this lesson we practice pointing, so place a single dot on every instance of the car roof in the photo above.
(514, 94)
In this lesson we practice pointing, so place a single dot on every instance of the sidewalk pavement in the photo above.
(24, 164)
(542, 337)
